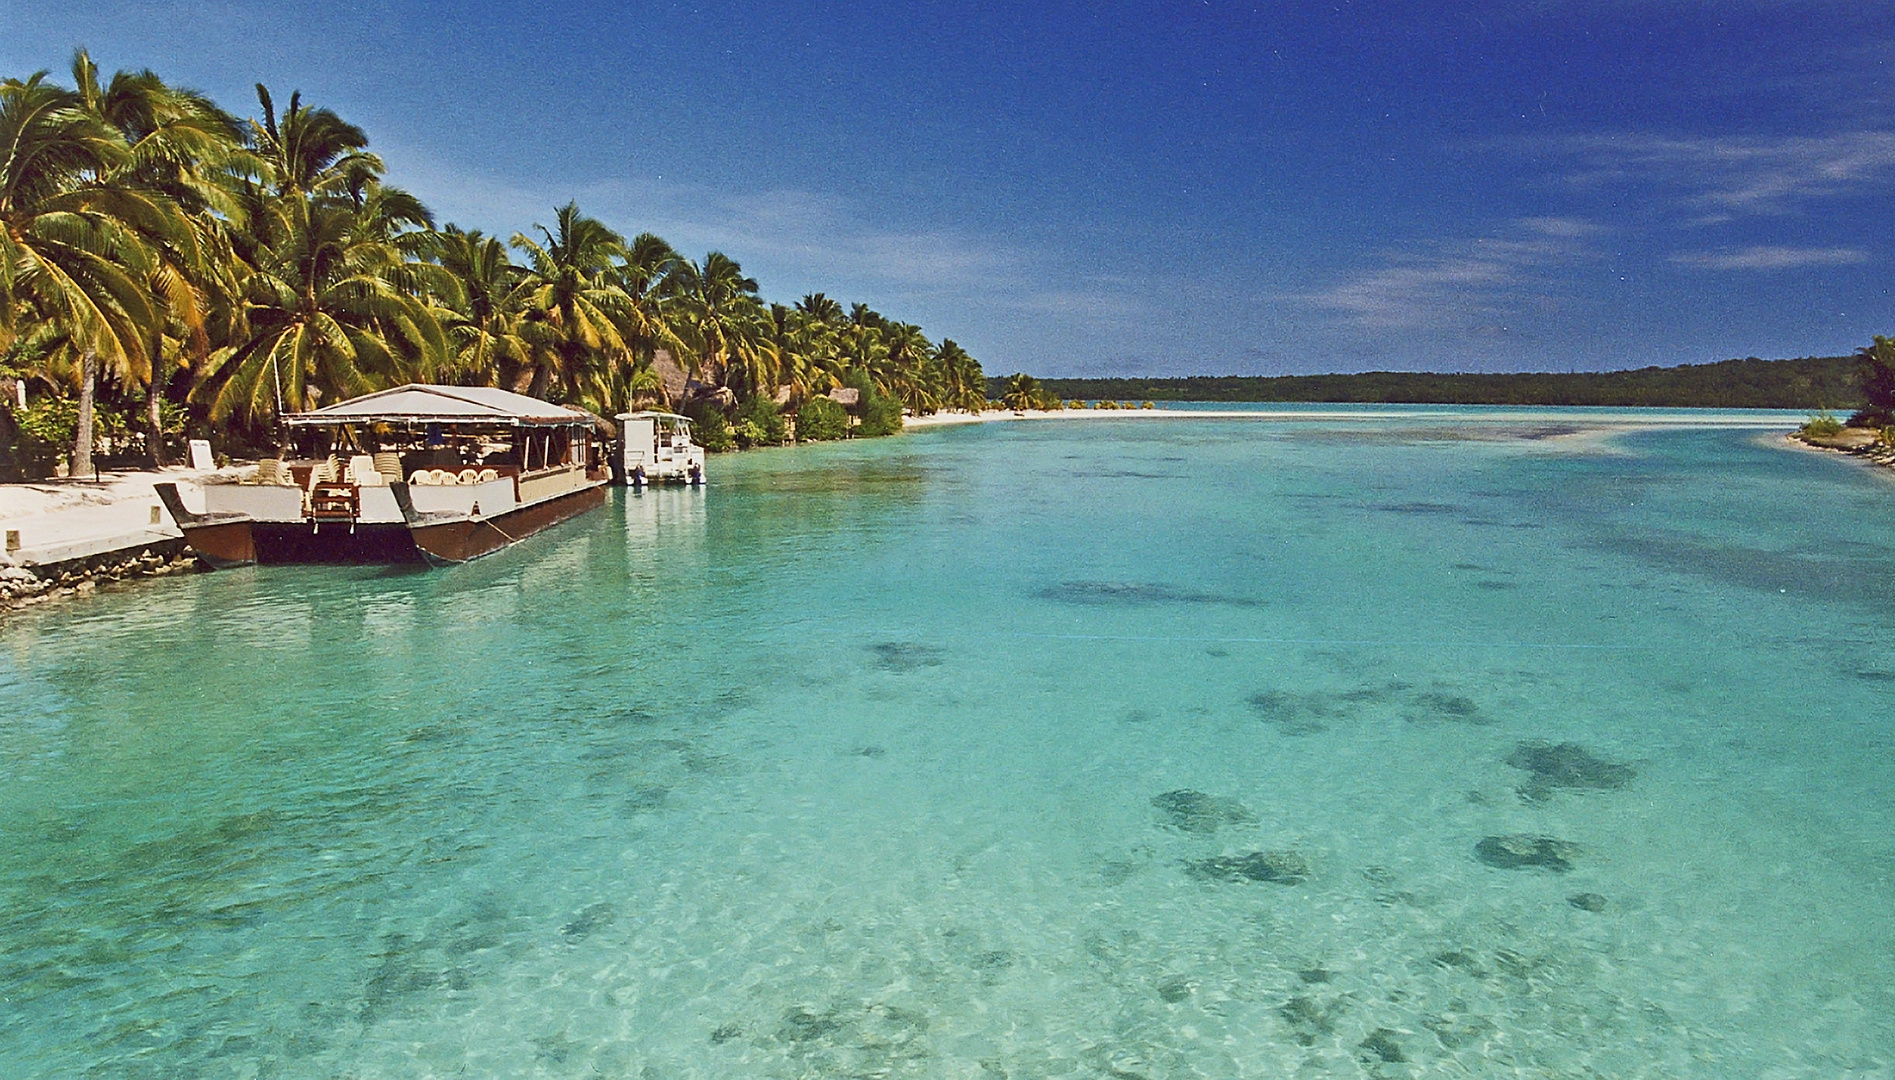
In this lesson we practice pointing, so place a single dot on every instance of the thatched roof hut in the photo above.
(672, 374)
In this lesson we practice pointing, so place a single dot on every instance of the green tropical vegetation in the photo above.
(170, 269)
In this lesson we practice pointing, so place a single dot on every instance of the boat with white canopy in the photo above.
(438, 474)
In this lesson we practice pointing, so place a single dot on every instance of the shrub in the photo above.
(880, 415)
(759, 423)
(1822, 425)
(820, 420)
(709, 428)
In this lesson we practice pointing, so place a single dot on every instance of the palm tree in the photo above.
(81, 242)
(182, 146)
(311, 152)
(572, 298)
(1023, 392)
(655, 318)
(728, 322)
(963, 384)
(905, 374)
(487, 295)
(325, 313)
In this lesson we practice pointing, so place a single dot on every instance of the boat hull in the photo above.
(450, 543)
(223, 541)
(223, 545)
(287, 543)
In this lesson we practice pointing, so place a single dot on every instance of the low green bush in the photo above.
(880, 415)
(759, 423)
(1822, 425)
(709, 427)
(820, 420)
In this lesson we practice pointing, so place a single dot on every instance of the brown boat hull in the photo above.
(232, 541)
(449, 543)
(222, 545)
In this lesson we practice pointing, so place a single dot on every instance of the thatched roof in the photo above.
(846, 395)
(671, 373)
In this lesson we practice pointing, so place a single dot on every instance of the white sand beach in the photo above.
(57, 520)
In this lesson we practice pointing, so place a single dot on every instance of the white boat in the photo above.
(440, 474)
(656, 447)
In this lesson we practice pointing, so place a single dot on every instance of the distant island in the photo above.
(1812, 383)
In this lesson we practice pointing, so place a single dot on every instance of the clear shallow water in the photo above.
(846, 767)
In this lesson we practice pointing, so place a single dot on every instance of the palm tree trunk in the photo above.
(155, 419)
(82, 435)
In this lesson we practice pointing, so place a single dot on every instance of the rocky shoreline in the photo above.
(22, 586)
(1864, 443)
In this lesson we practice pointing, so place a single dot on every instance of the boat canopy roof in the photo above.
(671, 416)
(423, 403)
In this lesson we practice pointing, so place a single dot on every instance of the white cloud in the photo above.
(1767, 257)
(1462, 286)
(1732, 175)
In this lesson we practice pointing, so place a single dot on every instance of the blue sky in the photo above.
(1143, 188)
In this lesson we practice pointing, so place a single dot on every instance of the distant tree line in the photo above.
(1815, 382)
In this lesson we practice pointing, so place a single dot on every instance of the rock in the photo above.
(1587, 901)
(1282, 867)
(1521, 852)
(1194, 811)
(1567, 765)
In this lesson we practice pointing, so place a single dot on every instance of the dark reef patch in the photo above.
(1134, 593)
(591, 918)
(1373, 693)
(905, 655)
(1294, 714)
(647, 800)
(1587, 901)
(1309, 713)
(1310, 1020)
(1381, 1046)
(1446, 706)
(1523, 852)
(1194, 811)
(1281, 867)
(1566, 765)
(1456, 1030)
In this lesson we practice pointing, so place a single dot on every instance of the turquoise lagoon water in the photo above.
(864, 762)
